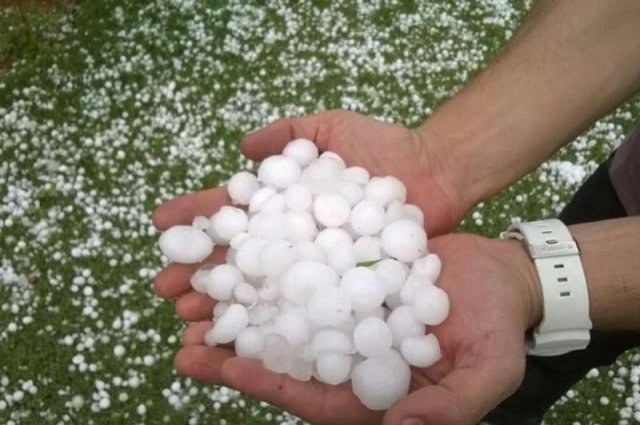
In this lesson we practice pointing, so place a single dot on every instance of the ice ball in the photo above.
(279, 171)
(185, 244)
(380, 381)
(421, 351)
(302, 151)
(404, 240)
(372, 337)
(241, 187)
(331, 209)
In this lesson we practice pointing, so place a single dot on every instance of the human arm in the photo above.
(570, 63)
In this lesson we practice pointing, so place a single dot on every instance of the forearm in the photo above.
(610, 253)
(570, 63)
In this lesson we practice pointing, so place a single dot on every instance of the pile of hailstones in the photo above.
(327, 275)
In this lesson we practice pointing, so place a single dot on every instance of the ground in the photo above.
(109, 107)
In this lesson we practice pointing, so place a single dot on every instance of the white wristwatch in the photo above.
(565, 322)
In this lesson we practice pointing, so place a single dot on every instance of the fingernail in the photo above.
(412, 421)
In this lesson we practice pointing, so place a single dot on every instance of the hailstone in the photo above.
(185, 244)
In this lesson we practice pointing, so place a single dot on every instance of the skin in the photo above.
(570, 63)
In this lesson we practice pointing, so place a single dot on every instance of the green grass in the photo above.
(109, 107)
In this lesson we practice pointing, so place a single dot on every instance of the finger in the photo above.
(194, 334)
(195, 306)
(309, 400)
(464, 396)
(175, 279)
(272, 139)
(201, 362)
(182, 209)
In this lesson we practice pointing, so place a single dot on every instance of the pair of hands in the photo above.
(489, 283)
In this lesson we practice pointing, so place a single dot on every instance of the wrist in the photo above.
(525, 279)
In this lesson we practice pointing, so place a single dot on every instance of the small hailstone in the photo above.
(421, 351)
(392, 274)
(334, 156)
(379, 382)
(302, 151)
(245, 294)
(241, 187)
(293, 326)
(230, 324)
(410, 286)
(372, 337)
(367, 248)
(185, 244)
(329, 306)
(331, 209)
(367, 217)
(301, 281)
(229, 222)
(221, 281)
(327, 237)
(322, 175)
(261, 196)
(404, 240)
(351, 191)
(333, 367)
(301, 226)
(277, 355)
(428, 266)
(238, 240)
(248, 256)
(297, 197)
(341, 256)
(279, 171)
(200, 278)
(276, 257)
(431, 305)
(403, 324)
(383, 190)
(363, 288)
(356, 174)
(249, 342)
(413, 212)
(118, 350)
(330, 340)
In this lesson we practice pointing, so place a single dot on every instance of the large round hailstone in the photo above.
(428, 266)
(275, 203)
(322, 175)
(329, 306)
(307, 250)
(276, 257)
(333, 368)
(341, 257)
(294, 327)
(221, 281)
(430, 305)
(331, 209)
(352, 191)
(410, 286)
(269, 225)
(403, 324)
(277, 355)
(229, 222)
(421, 351)
(357, 175)
(201, 222)
(384, 190)
(404, 240)
(241, 187)
(392, 274)
(367, 249)
(279, 171)
(413, 212)
(229, 325)
(363, 288)
(302, 151)
(298, 197)
(185, 244)
(379, 382)
(301, 281)
(328, 237)
(245, 294)
(248, 256)
(301, 226)
(367, 217)
(249, 343)
(329, 339)
(372, 337)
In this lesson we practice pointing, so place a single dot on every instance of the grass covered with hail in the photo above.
(109, 107)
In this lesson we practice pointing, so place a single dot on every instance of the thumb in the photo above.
(463, 397)
(272, 139)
